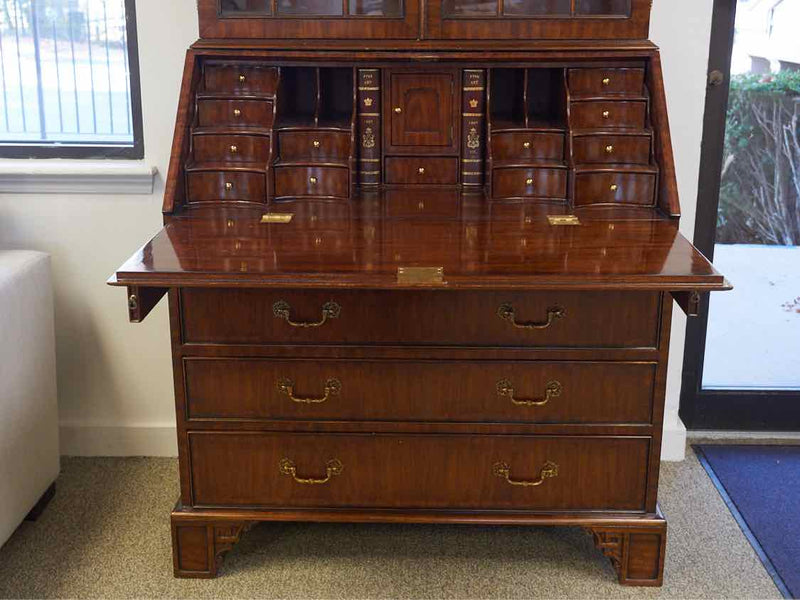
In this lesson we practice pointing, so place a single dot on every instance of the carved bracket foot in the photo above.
(199, 547)
(636, 552)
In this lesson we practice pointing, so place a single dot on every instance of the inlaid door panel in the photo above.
(422, 113)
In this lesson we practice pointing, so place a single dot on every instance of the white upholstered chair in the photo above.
(29, 458)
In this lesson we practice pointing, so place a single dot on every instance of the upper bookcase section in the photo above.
(425, 19)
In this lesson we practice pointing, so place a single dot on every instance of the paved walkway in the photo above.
(754, 331)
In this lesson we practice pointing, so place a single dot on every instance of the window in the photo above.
(69, 79)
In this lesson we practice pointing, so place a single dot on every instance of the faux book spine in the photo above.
(369, 126)
(473, 137)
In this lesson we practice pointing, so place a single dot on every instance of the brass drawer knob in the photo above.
(606, 114)
(237, 112)
(313, 180)
(332, 468)
(234, 149)
(506, 389)
(614, 187)
(421, 170)
(228, 186)
(529, 181)
(527, 145)
(398, 110)
(316, 144)
(548, 471)
(242, 78)
(606, 81)
(609, 149)
(507, 313)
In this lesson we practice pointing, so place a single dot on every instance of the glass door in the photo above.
(538, 19)
(743, 364)
(309, 19)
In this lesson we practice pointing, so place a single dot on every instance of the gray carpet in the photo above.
(106, 535)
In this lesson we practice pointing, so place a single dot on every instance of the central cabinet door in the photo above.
(422, 112)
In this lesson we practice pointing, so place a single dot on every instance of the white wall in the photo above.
(114, 379)
(682, 28)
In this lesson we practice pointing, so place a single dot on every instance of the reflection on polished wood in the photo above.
(480, 244)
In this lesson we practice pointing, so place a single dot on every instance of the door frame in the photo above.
(744, 410)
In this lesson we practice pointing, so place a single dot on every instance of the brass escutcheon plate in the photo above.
(563, 220)
(420, 275)
(277, 218)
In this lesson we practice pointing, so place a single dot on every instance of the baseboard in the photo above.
(102, 440)
(673, 445)
(744, 437)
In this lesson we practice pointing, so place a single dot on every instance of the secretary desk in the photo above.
(421, 257)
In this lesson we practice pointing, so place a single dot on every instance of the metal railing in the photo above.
(64, 72)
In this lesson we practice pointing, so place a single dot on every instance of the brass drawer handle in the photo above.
(228, 186)
(282, 310)
(421, 170)
(332, 388)
(237, 112)
(133, 302)
(506, 389)
(527, 145)
(606, 81)
(234, 149)
(242, 78)
(506, 312)
(529, 181)
(313, 180)
(609, 149)
(316, 144)
(549, 470)
(606, 114)
(332, 467)
(614, 187)
(398, 110)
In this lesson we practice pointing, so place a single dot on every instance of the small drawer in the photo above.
(608, 114)
(430, 391)
(532, 182)
(231, 148)
(606, 82)
(211, 186)
(241, 79)
(421, 170)
(526, 146)
(612, 187)
(619, 149)
(556, 319)
(233, 113)
(312, 181)
(433, 471)
(318, 146)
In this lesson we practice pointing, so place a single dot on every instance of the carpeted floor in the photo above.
(106, 535)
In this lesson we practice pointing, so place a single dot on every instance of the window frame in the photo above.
(92, 151)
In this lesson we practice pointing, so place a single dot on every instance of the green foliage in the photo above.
(751, 149)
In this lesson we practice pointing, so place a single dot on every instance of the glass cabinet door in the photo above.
(309, 19)
(311, 8)
(538, 19)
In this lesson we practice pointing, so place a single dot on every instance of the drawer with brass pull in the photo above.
(635, 187)
(241, 79)
(523, 146)
(319, 146)
(421, 170)
(619, 149)
(413, 390)
(235, 113)
(529, 182)
(606, 82)
(213, 186)
(312, 181)
(556, 319)
(608, 114)
(230, 148)
(296, 470)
